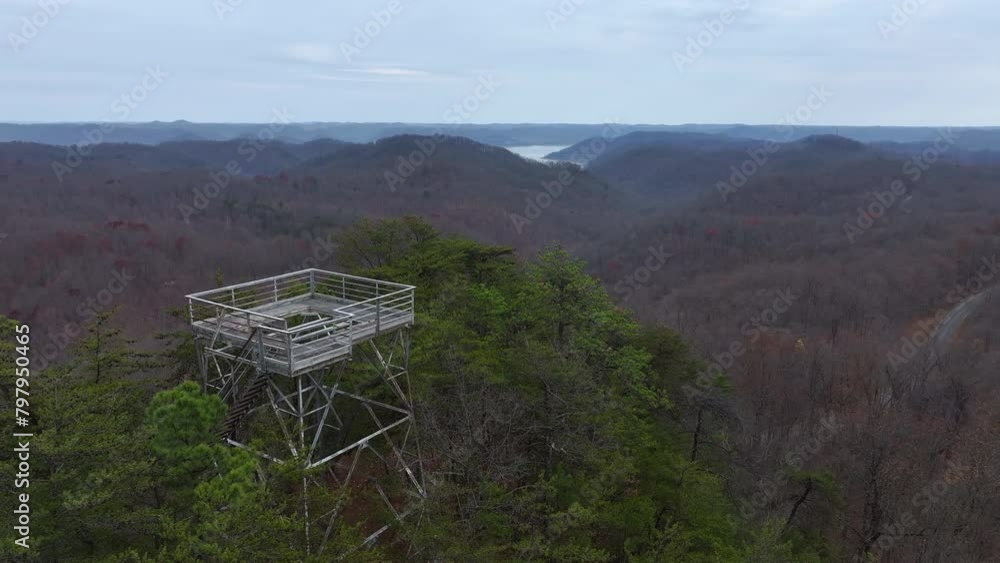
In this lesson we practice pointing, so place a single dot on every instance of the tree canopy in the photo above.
(552, 425)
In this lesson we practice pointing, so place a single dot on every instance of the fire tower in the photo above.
(278, 351)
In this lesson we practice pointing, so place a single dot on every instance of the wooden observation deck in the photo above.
(299, 322)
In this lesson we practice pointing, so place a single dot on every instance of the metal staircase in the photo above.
(247, 383)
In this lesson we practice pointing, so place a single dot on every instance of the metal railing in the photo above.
(364, 307)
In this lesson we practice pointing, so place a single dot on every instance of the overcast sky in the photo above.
(590, 61)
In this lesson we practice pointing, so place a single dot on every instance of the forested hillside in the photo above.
(765, 398)
(551, 425)
(136, 209)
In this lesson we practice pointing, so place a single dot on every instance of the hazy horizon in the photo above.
(508, 123)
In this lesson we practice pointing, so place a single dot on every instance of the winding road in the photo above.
(945, 333)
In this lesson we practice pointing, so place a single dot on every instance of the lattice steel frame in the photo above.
(303, 406)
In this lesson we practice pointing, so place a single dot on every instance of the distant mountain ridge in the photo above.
(505, 135)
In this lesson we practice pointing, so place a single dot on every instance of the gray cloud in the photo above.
(607, 59)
